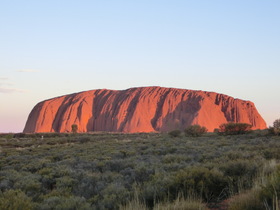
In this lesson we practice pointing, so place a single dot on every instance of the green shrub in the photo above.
(216, 130)
(275, 130)
(175, 133)
(15, 199)
(59, 202)
(240, 174)
(264, 194)
(276, 124)
(210, 184)
(271, 191)
(235, 128)
(60, 172)
(195, 130)
(83, 140)
(30, 184)
(74, 128)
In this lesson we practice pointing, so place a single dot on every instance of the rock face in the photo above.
(144, 109)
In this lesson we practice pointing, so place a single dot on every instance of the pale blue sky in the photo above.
(51, 48)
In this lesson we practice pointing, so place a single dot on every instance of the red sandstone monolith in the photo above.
(144, 109)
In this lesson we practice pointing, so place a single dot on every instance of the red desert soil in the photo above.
(144, 109)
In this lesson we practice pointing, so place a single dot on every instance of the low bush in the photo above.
(263, 195)
(195, 130)
(15, 199)
(83, 140)
(234, 128)
(271, 190)
(62, 172)
(59, 202)
(275, 130)
(210, 184)
(175, 133)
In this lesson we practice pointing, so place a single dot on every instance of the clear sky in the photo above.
(56, 47)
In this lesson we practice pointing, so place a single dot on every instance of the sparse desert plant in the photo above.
(271, 190)
(235, 128)
(175, 133)
(275, 130)
(216, 130)
(240, 174)
(74, 128)
(247, 200)
(83, 140)
(276, 124)
(195, 130)
(265, 191)
(201, 181)
(135, 203)
(190, 203)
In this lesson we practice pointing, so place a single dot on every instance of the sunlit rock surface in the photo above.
(143, 109)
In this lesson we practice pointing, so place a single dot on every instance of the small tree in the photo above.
(195, 130)
(276, 124)
(235, 128)
(74, 128)
(275, 130)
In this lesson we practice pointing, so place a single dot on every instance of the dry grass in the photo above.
(246, 201)
(181, 203)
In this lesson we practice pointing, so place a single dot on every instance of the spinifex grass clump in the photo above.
(264, 193)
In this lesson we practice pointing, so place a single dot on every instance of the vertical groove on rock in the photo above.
(159, 108)
(58, 119)
(130, 110)
(145, 109)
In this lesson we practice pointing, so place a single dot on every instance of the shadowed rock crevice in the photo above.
(185, 114)
(60, 115)
(159, 108)
(145, 109)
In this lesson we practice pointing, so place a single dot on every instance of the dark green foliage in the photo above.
(265, 195)
(271, 192)
(195, 130)
(15, 199)
(202, 181)
(74, 128)
(216, 130)
(83, 140)
(275, 130)
(175, 133)
(239, 174)
(235, 128)
(102, 170)
(276, 124)
(69, 203)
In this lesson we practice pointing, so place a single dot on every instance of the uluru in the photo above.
(143, 109)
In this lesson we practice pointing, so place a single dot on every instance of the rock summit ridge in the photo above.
(143, 109)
